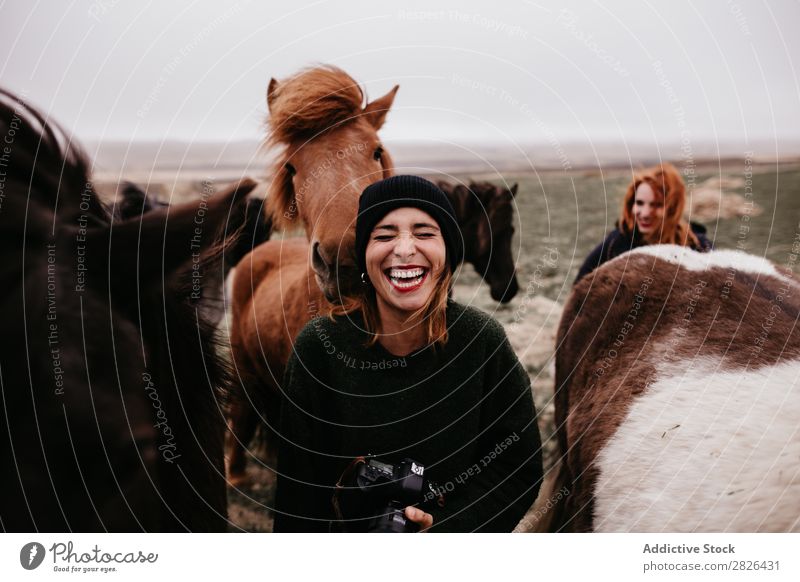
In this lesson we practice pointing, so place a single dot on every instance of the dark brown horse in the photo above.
(331, 152)
(248, 221)
(110, 384)
(485, 215)
(251, 218)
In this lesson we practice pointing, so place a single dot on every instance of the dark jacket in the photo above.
(617, 243)
(464, 411)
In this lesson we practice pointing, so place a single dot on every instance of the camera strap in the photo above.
(437, 494)
(344, 478)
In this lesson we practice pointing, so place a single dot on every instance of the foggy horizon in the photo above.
(518, 73)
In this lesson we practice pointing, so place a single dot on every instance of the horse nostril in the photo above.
(511, 292)
(505, 293)
(317, 262)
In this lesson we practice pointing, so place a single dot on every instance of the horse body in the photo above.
(110, 383)
(678, 389)
(728, 463)
(284, 276)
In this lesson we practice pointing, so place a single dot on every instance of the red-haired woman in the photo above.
(652, 213)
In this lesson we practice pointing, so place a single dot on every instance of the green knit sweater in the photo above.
(464, 411)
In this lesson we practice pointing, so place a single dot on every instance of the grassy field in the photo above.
(561, 217)
(572, 212)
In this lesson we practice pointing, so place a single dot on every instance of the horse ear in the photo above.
(478, 196)
(163, 240)
(271, 90)
(447, 188)
(514, 189)
(375, 112)
(463, 201)
(255, 227)
(133, 201)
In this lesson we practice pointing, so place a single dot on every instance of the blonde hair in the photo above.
(668, 187)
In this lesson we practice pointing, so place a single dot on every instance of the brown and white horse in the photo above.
(331, 153)
(678, 396)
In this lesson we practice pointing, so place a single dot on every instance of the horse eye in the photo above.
(290, 169)
(377, 154)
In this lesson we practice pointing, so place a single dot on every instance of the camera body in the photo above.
(373, 495)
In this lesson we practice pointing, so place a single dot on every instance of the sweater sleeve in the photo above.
(302, 501)
(700, 232)
(495, 492)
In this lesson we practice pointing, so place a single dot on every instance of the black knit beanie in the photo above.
(379, 199)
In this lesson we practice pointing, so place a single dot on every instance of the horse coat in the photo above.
(678, 395)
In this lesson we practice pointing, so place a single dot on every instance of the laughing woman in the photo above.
(652, 213)
(403, 372)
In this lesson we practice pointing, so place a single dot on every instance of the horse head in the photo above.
(485, 215)
(331, 152)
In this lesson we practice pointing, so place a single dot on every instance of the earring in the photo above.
(364, 279)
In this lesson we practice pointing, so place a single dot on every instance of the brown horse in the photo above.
(678, 394)
(109, 381)
(331, 153)
(485, 214)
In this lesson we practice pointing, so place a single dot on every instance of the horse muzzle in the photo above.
(505, 291)
(335, 280)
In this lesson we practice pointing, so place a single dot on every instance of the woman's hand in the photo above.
(425, 520)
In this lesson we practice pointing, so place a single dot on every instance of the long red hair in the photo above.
(668, 187)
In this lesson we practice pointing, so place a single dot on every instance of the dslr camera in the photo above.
(372, 495)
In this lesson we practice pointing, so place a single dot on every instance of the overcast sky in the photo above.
(468, 71)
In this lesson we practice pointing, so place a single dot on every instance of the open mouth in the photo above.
(406, 279)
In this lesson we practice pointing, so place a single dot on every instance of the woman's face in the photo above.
(405, 256)
(648, 210)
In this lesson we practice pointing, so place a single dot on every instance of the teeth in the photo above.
(406, 273)
(407, 283)
(405, 278)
